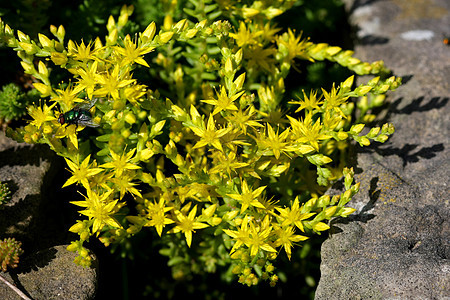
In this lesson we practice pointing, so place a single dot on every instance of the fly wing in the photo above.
(86, 105)
(85, 120)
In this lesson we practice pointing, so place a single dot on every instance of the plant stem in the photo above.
(14, 288)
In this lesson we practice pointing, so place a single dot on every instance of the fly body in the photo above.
(79, 115)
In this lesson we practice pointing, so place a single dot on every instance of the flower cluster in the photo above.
(210, 154)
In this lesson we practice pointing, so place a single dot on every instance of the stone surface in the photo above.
(35, 217)
(23, 167)
(397, 245)
(51, 274)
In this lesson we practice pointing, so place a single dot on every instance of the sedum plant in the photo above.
(13, 102)
(9, 253)
(5, 193)
(193, 136)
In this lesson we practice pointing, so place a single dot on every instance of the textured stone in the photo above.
(397, 245)
(34, 216)
(51, 274)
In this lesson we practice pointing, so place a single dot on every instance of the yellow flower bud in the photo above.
(83, 252)
(28, 47)
(22, 36)
(273, 12)
(35, 137)
(145, 154)
(165, 37)
(201, 24)
(42, 69)
(208, 212)
(78, 227)
(45, 41)
(216, 221)
(8, 30)
(347, 84)
(61, 32)
(248, 12)
(361, 91)
(84, 235)
(330, 211)
(59, 59)
(208, 31)
(72, 247)
(231, 215)
(123, 19)
(28, 68)
(365, 141)
(179, 161)
(342, 135)
(320, 226)
(45, 90)
(158, 126)
(111, 25)
(126, 133)
(347, 211)
(53, 29)
(228, 67)
(239, 82)
(159, 176)
(353, 61)
(112, 37)
(130, 118)
(333, 50)
(181, 25)
(149, 32)
(168, 22)
(356, 129)
(191, 33)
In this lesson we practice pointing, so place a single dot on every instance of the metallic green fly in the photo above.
(79, 115)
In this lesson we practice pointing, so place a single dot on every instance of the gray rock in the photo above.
(51, 274)
(33, 216)
(23, 167)
(397, 245)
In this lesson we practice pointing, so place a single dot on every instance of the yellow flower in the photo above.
(260, 57)
(157, 215)
(275, 142)
(223, 102)
(88, 79)
(294, 45)
(241, 235)
(123, 184)
(245, 37)
(259, 237)
(242, 119)
(66, 98)
(100, 208)
(286, 237)
(209, 136)
(120, 163)
(306, 132)
(81, 52)
(293, 216)
(131, 53)
(333, 100)
(81, 172)
(187, 224)
(41, 115)
(112, 82)
(308, 103)
(227, 163)
(248, 197)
